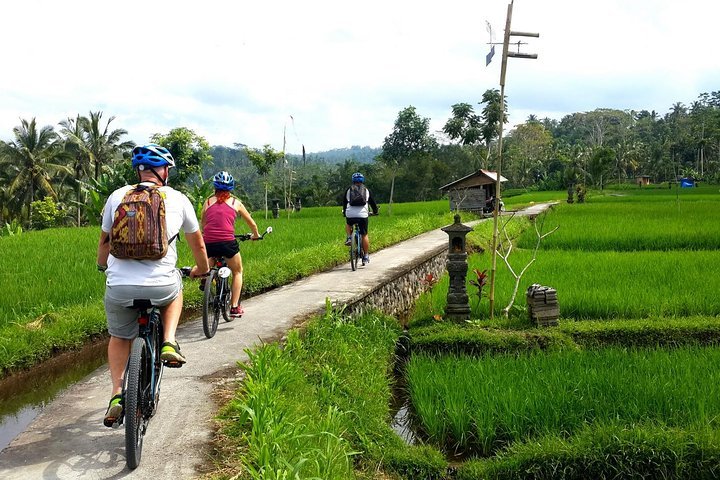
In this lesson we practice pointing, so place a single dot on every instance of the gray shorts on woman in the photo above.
(121, 317)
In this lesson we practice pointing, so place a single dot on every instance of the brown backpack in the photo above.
(139, 231)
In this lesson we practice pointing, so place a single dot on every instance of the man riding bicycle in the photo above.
(218, 225)
(159, 281)
(355, 209)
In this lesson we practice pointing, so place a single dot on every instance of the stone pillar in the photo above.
(458, 307)
(276, 208)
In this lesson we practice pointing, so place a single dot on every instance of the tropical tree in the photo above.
(190, 151)
(99, 143)
(600, 164)
(409, 139)
(33, 158)
(465, 126)
(264, 160)
(529, 150)
(73, 132)
(4, 192)
(472, 129)
(493, 117)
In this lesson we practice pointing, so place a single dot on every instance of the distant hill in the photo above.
(233, 157)
(339, 155)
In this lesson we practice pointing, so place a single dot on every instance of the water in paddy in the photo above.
(23, 395)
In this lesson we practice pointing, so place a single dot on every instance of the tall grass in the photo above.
(308, 409)
(488, 402)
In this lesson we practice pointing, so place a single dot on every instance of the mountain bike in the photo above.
(141, 384)
(218, 290)
(356, 249)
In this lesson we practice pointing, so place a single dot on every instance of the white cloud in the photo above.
(236, 71)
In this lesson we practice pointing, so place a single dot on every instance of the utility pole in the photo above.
(503, 69)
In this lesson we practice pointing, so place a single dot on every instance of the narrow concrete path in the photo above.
(67, 439)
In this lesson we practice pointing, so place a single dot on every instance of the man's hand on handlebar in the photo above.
(195, 274)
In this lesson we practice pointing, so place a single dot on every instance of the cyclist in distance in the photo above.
(355, 209)
(218, 225)
(128, 279)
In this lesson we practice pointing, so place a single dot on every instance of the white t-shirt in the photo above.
(179, 216)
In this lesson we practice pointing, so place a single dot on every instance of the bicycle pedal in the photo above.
(171, 364)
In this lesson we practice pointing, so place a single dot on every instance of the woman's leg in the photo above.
(235, 264)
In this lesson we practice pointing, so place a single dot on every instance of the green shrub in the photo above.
(46, 213)
(668, 332)
(416, 462)
(446, 337)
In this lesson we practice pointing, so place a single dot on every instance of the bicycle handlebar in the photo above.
(248, 236)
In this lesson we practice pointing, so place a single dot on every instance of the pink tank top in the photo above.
(219, 222)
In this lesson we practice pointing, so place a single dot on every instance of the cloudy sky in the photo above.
(335, 74)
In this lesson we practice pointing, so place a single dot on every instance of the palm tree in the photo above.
(493, 117)
(31, 158)
(73, 133)
(4, 191)
(100, 144)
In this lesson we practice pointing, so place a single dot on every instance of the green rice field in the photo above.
(632, 226)
(488, 402)
(51, 292)
(625, 386)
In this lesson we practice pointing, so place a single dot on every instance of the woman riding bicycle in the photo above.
(218, 228)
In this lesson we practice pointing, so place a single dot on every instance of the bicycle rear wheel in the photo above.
(354, 250)
(211, 304)
(136, 399)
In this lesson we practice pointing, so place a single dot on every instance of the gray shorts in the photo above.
(121, 320)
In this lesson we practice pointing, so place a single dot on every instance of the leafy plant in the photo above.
(12, 228)
(480, 282)
(46, 213)
(198, 193)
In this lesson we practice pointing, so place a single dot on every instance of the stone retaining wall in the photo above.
(397, 295)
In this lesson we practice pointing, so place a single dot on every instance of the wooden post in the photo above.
(496, 210)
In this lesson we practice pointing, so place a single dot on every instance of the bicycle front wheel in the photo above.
(136, 398)
(211, 307)
(227, 292)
